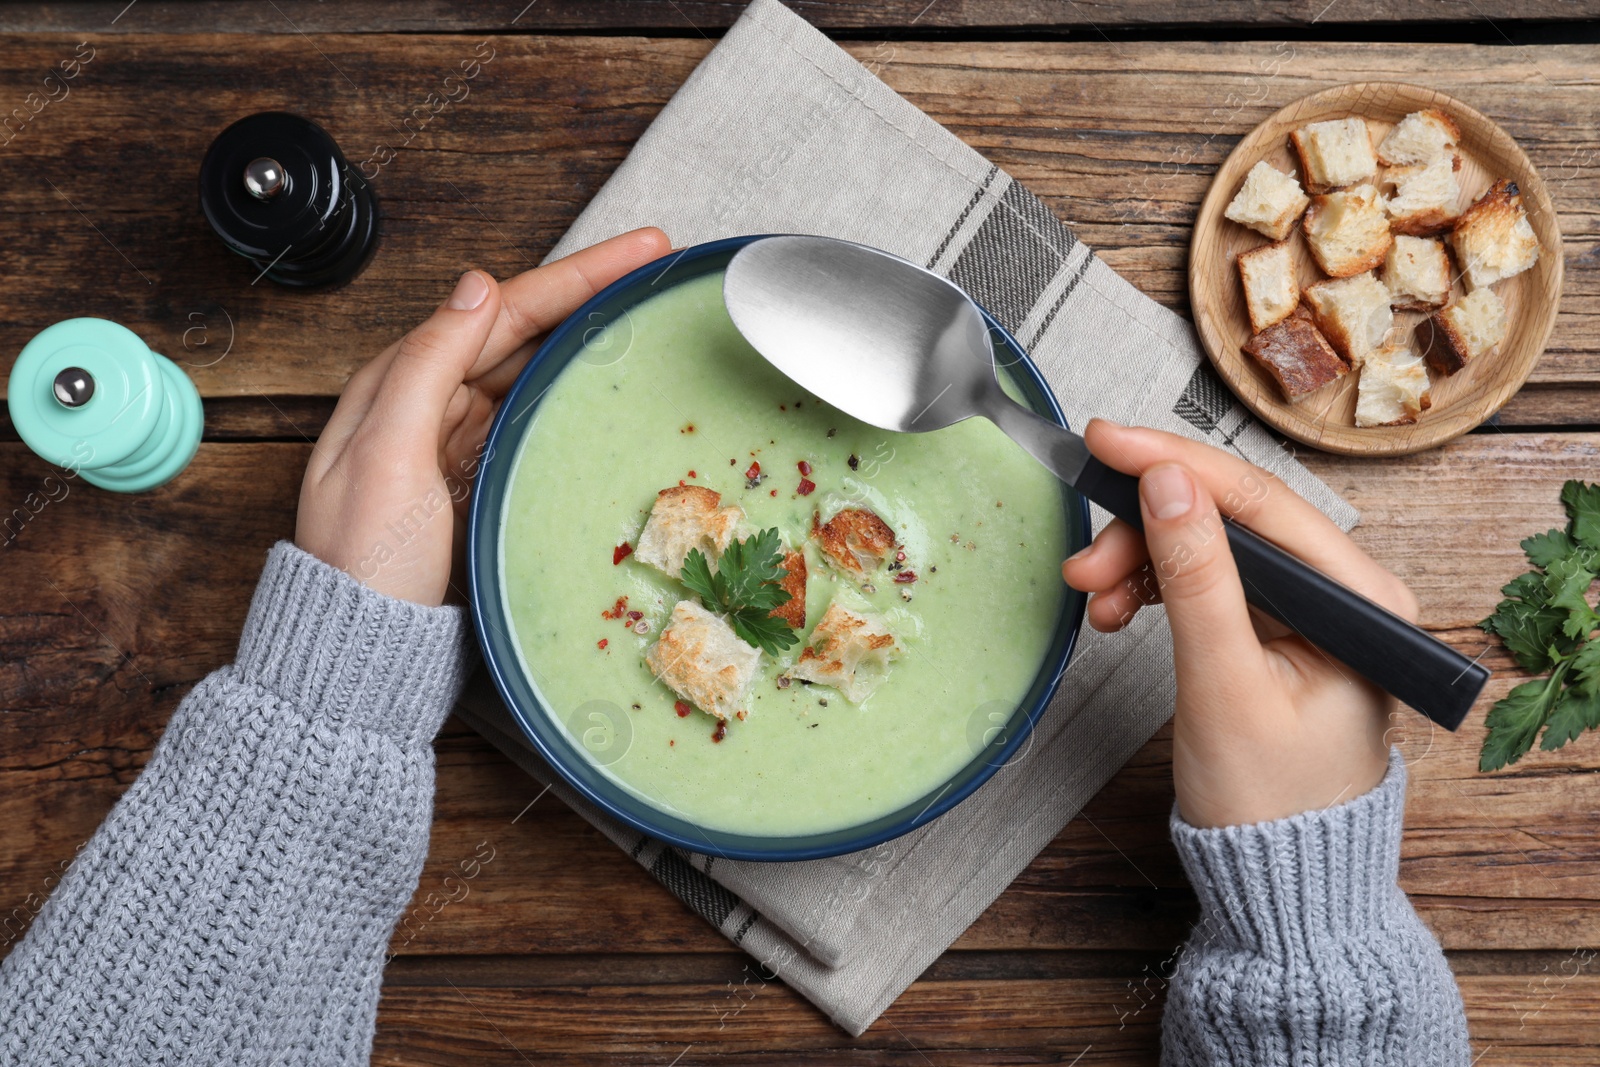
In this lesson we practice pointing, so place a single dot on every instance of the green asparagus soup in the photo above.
(672, 395)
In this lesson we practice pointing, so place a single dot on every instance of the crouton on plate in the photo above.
(699, 657)
(855, 539)
(1352, 313)
(849, 651)
(1348, 232)
(1417, 273)
(1393, 389)
(1424, 200)
(1334, 153)
(1270, 289)
(1297, 356)
(685, 517)
(1268, 202)
(1493, 239)
(1469, 329)
(1420, 137)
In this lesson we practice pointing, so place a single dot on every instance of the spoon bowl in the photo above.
(799, 301)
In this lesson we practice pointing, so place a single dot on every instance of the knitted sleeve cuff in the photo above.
(320, 639)
(1273, 888)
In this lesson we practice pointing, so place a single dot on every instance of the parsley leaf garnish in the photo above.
(745, 588)
(1547, 622)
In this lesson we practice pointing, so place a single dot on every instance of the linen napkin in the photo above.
(779, 130)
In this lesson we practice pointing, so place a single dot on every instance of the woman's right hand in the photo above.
(1266, 725)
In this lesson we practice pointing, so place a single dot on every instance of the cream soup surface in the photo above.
(671, 392)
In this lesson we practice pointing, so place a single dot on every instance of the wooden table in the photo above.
(562, 950)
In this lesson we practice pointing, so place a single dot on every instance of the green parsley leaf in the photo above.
(1547, 623)
(762, 629)
(1586, 668)
(1566, 581)
(1583, 506)
(1574, 713)
(1515, 721)
(745, 588)
(1528, 587)
(752, 568)
(1529, 632)
(697, 575)
(1544, 549)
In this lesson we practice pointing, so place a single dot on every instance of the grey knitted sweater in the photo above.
(236, 904)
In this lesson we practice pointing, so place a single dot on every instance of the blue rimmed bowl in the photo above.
(1002, 742)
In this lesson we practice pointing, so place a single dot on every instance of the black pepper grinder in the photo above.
(278, 192)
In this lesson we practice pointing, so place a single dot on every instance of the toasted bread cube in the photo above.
(793, 610)
(1424, 200)
(1268, 202)
(1270, 289)
(699, 657)
(685, 517)
(1334, 153)
(849, 651)
(1352, 313)
(1393, 389)
(1417, 273)
(1493, 239)
(1297, 355)
(1420, 137)
(1348, 231)
(855, 540)
(1469, 329)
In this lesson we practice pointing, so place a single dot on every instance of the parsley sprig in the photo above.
(1548, 624)
(745, 588)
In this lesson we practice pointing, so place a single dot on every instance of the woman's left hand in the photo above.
(385, 492)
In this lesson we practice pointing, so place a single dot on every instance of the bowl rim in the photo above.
(944, 798)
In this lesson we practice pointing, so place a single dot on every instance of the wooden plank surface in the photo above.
(1120, 139)
(564, 951)
(710, 16)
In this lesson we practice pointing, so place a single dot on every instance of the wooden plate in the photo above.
(1326, 419)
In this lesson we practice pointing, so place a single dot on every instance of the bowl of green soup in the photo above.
(741, 621)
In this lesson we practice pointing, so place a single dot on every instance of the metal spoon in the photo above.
(903, 349)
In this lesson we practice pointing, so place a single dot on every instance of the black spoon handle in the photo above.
(1403, 659)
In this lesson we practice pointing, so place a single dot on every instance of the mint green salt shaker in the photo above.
(89, 396)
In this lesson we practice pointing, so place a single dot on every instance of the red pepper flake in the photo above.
(905, 577)
(721, 731)
(620, 553)
(783, 407)
(692, 474)
(805, 466)
(806, 487)
(773, 492)
(635, 616)
(754, 470)
(617, 610)
(899, 557)
(688, 429)
(603, 642)
(682, 707)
